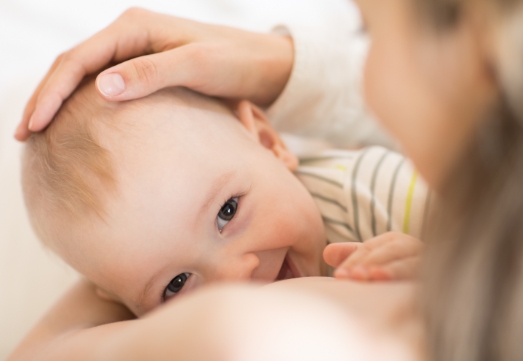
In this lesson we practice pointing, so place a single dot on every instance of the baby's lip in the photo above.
(288, 270)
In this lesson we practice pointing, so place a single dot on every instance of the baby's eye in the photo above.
(175, 285)
(227, 213)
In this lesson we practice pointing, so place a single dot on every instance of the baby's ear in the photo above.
(261, 130)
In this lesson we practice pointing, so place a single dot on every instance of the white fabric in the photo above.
(364, 193)
(323, 98)
(33, 33)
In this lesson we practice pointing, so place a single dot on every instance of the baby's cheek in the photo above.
(278, 230)
(288, 216)
(302, 224)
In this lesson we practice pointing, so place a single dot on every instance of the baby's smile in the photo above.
(201, 195)
(288, 270)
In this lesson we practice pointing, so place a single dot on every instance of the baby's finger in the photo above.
(334, 254)
(345, 268)
(399, 270)
(383, 239)
(392, 251)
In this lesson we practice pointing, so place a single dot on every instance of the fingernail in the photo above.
(341, 273)
(360, 272)
(31, 122)
(379, 274)
(111, 84)
(18, 132)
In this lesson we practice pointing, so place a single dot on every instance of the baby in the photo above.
(152, 198)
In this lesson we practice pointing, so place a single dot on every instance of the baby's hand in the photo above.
(390, 256)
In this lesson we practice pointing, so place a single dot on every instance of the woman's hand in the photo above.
(164, 51)
(390, 256)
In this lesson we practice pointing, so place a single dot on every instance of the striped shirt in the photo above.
(361, 194)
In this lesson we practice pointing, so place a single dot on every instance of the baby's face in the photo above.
(199, 200)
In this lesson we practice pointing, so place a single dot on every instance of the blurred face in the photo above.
(429, 89)
(201, 199)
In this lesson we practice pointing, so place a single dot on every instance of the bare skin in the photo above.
(122, 259)
(239, 309)
(195, 55)
(424, 101)
(390, 256)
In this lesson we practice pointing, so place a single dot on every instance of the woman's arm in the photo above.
(79, 309)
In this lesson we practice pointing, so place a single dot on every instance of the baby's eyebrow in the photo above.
(216, 188)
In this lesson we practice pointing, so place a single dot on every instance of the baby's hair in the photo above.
(66, 170)
(70, 169)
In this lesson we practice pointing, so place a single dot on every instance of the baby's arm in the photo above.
(80, 309)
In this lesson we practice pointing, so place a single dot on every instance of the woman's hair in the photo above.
(473, 289)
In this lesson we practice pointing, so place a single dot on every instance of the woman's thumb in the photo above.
(142, 76)
(132, 79)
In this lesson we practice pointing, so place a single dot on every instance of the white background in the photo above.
(32, 34)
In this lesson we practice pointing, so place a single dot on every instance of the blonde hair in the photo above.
(473, 287)
(69, 169)
(66, 170)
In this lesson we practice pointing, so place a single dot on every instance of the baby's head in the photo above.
(158, 196)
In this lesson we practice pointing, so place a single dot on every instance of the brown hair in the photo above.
(473, 289)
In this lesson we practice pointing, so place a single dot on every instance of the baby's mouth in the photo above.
(287, 270)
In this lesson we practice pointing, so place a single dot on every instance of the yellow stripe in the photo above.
(408, 204)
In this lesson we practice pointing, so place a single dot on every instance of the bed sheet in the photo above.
(32, 34)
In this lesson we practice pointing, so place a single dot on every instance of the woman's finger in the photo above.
(61, 80)
(144, 75)
(117, 42)
(54, 92)
(22, 132)
(160, 51)
(334, 254)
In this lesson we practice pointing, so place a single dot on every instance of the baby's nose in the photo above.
(237, 269)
